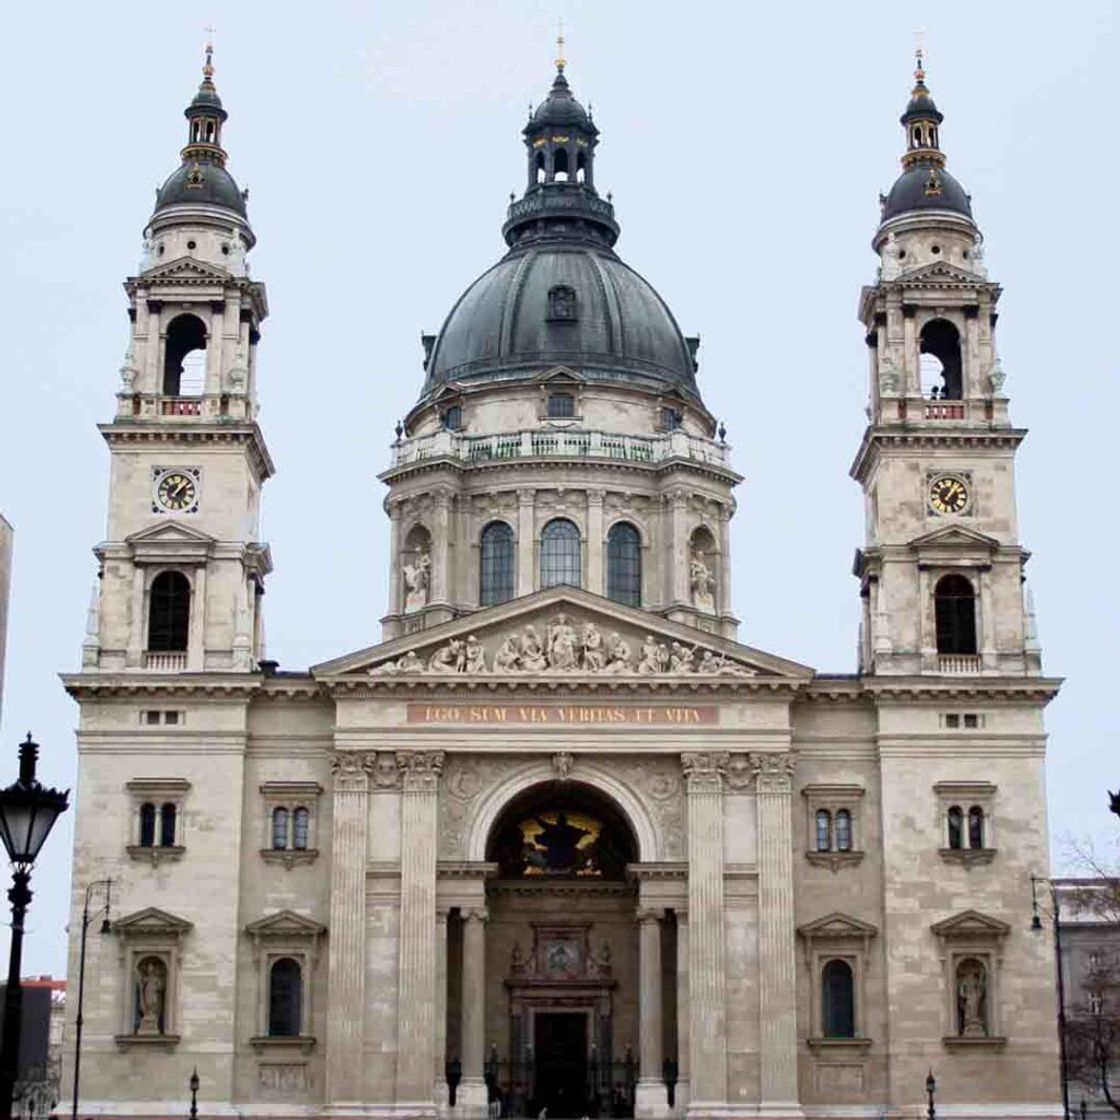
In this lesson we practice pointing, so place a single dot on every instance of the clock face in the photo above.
(948, 494)
(177, 491)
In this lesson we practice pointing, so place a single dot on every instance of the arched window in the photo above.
(279, 828)
(301, 829)
(956, 828)
(560, 165)
(824, 830)
(453, 418)
(954, 604)
(285, 998)
(941, 342)
(496, 564)
(624, 564)
(169, 612)
(538, 164)
(581, 167)
(560, 554)
(561, 406)
(184, 362)
(976, 827)
(167, 815)
(147, 825)
(843, 830)
(838, 1005)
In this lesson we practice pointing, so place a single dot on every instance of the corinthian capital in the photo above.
(351, 771)
(773, 771)
(420, 770)
(704, 770)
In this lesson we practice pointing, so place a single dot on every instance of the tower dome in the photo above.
(202, 179)
(924, 184)
(561, 295)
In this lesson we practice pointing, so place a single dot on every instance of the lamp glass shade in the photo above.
(27, 815)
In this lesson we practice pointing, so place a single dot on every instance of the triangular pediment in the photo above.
(955, 536)
(170, 531)
(561, 373)
(837, 925)
(970, 924)
(563, 631)
(941, 272)
(186, 268)
(170, 541)
(285, 923)
(151, 920)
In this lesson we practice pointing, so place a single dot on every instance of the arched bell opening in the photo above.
(940, 361)
(557, 954)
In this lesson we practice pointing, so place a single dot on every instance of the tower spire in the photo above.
(561, 61)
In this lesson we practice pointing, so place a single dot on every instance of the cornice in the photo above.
(95, 685)
(906, 690)
(125, 430)
(931, 435)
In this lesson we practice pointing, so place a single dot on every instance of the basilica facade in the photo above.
(560, 841)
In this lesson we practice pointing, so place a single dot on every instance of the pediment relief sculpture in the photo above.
(564, 645)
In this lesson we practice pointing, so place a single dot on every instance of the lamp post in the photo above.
(931, 1088)
(27, 815)
(108, 885)
(1036, 925)
(194, 1093)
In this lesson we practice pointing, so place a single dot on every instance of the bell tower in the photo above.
(942, 569)
(182, 569)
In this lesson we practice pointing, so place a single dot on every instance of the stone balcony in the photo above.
(977, 412)
(210, 407)
(568, 444)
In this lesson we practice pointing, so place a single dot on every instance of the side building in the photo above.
(561, 840)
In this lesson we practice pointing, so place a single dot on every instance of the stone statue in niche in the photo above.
(417, 578)
(151, 985)
(702, 582)
(972, 1000)
(128, 371)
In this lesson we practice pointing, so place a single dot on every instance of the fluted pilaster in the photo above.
(346, 971)
(652, 1099)
(776, 950)
(420, 772)
(703, 773)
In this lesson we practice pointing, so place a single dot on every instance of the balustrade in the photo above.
(958, 663)
(165, 662)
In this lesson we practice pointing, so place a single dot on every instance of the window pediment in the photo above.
(970, 925)
(152, 922)
(951, 541)
(171, 542)
(837, 927)
(286, 924)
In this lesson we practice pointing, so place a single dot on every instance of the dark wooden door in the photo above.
(560, 1053)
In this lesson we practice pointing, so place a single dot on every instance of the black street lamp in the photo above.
(108, 885)
(27, 815)
(931, 1088)
(1036, 924)
(194, 1093)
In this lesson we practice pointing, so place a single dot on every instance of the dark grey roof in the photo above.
(501, 326)
(560, 107)
(216, 188)
(910, 193)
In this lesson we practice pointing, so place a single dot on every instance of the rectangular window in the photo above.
(952, 720)
(971, 720)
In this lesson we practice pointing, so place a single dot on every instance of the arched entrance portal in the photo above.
(562, 959)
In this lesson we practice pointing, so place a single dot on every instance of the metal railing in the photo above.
(549, 444)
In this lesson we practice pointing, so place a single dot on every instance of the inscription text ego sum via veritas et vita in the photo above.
(567, 715)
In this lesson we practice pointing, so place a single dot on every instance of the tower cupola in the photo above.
(924, 183)
(201, 189)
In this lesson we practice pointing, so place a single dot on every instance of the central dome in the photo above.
(576, 305)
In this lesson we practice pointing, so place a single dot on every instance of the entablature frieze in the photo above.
(930, 437)
(128, 430)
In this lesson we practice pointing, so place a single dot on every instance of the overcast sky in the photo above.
(745, 146)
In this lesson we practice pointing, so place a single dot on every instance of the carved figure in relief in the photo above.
(128, 370)
(702, 583)
(648, 659)
(562, 650)
(971, 990)
(681, 658)
(508, 657)
(149, 996)
(410, 663)
(601, 961)
(475, 655)
(417, 577)
(594, 656)
(532, 655)
(445, 659)
(620, 655)
(517, 961)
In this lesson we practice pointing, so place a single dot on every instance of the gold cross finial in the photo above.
(561, 61)
(920, 53)
(208, 67)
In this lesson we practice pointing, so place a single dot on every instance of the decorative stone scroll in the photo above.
(704, 770)
(773, 772)
(351, 771)
(566, 647)
(420, 770)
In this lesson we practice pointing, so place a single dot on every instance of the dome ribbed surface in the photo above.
(910, 193)
(504, 325)
(216, 188)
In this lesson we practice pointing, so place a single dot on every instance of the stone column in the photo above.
(684, 1019)
(985, 639)
(679, 557)
(777, 988)
(912, 366)
(703, 773)
(420, 772)
(927, 635)
(651, 1097)
(595, 583)
(526, 527)
(396, 600)
(196, 637)
(723, 606)
(441, 546)
(346, 971)
(439, 1070)
(471, 1096)
(134, 657)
